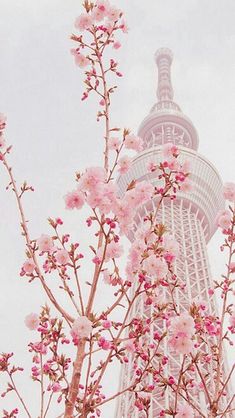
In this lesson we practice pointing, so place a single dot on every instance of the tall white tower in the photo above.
(190, 217)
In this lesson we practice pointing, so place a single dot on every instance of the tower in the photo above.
(190, 218)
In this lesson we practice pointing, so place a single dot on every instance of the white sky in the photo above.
(54, 134)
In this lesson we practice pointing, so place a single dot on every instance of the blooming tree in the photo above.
(96, 339)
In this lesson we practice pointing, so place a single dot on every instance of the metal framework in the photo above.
(190, 218)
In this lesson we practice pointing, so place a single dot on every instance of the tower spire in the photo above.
(163, 57)
(166, 122)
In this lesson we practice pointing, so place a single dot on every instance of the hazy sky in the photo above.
(54, 134)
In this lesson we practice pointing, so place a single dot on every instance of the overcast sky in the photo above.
(54, 134)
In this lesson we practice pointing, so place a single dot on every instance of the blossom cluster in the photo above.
(101, 20)
(47, 359)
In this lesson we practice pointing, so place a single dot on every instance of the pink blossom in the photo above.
(94, 199)
(185, 411)
(134, 142)
(229, 191)
(181, 343)
(155, 266)
(170, 245)
(130, 345)
(104, 197)
(80, 60)
(107, 324)
(117, 45)
(82, 327)
(103, 6)
(169, 150)
(107, 277)
(114, 143)
(32, 321)
(144, 191)
(101, 10)
(186, 166)
(56, 387)
(223, 219)
(97, 14)
(135, 254)
(45, 243)
(96, 260)
(151, 166)
(186, 186)
(174, 165)
(131, 198)
(92, 177)
(124, 164)
(124, 26)
(62, 257)
(83, 22)
(29, 266)
(125, 214)
(74, 200)
(183, 322)
(113, 13)
(114, 250)
(104, 344)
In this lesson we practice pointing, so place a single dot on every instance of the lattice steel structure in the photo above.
(190, 218)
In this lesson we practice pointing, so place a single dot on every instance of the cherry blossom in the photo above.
(185, 411)
(82, 327)
(29, 266)
(100, 11)
(45, 243)
(80, 59)
(114, 250)
(170, 245)
(104, 344)
(144, 191)
(186, 186)
(169, 150)
(113, 13)
(181, 343)
(155, 266)
(114, 143)
(103, 5)
(56, 387)
(124, 26)
(133, 142)
(74, 200)
(151, 166)
(223, 219)
(83, 22)
(117, 45)
(124, 163)
(32, 321)
(183, 322)
(229, 191)
(62, 257)
(110, 332)
(91, 178)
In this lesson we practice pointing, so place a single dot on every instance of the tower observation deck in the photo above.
(190, 218)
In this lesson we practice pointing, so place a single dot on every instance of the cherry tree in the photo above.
(73, 344)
